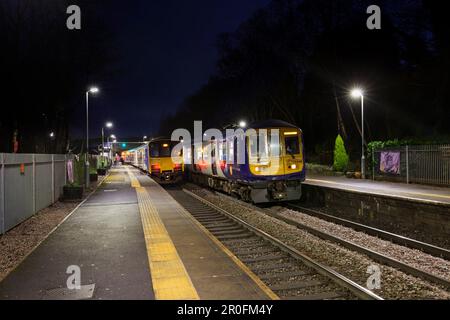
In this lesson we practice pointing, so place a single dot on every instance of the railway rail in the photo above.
(376, 256)
(286, 271)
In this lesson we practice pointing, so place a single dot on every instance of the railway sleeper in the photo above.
(283, 275)
(225, 232)
(224, 228)
(316, 296)
(267, 257)
(264, 249)
(243, 235)
(290, 285)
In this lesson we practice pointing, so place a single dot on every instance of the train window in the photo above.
(292, 145)
(173, 145)
(258, 146)
(154, 150)
(274, 147)
(223, 151)
(165, 150)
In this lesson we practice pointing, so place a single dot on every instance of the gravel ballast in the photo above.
(413, 257)
(394, 283)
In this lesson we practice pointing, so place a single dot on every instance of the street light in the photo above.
(242, 124)
(108, 124)
(110, 147)
(358, 93)
(92, 90)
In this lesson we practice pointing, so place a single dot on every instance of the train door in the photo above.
(213, 158)
(292, 152)
(147, 160)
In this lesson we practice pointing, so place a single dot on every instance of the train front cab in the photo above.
(278, 176)
(161, 165)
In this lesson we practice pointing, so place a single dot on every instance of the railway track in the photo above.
(376, 256)
(382, 234)
(372, 253)
(286, 271)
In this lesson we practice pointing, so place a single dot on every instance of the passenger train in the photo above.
(155, 157)
(273, 170)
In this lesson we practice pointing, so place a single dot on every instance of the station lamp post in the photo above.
(110, 145)
(108, 125)
(92, 90)
(358, 93)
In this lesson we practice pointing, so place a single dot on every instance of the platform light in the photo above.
(113, 136)
(94, 90)
(242, 124)
(109, 124)
(52, 134)
(356, 93)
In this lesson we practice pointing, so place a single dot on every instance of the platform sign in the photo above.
(390, 162)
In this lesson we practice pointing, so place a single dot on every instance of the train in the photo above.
(272, 171)
(155, 158)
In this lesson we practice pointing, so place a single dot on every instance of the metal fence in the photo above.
(425, 164)
(29, 183)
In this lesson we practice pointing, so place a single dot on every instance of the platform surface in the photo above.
(437, 195)
(127, 234)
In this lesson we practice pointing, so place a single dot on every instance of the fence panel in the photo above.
(19, 189)
(29, 183)
(60, 175)
(425, 164)
(43, 181)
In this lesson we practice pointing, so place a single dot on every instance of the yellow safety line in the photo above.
(236, 260)
(134, 181)
(381, 193)
(169, 276)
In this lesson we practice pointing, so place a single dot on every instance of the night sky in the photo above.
(167, 50)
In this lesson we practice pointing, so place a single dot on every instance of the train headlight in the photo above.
(257, 169)
(293, 166)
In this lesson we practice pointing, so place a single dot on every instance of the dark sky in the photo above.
(167, 51)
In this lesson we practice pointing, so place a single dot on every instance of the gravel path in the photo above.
(394, 284)
(17, 243)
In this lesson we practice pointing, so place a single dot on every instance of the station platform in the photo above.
(412, 192)
(130, 240)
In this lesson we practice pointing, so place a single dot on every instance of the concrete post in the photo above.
(33, 165)
(53, 178)
(65, 169)
(373, 163)
(407, 164)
